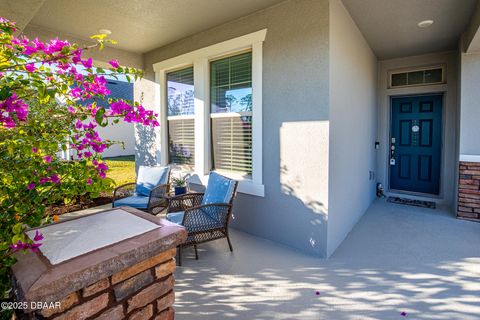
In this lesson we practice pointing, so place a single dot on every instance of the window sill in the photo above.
(246, 186)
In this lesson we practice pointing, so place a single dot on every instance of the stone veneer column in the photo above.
(132, 279)
(469, 191)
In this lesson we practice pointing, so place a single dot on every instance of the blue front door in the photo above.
(416, 143)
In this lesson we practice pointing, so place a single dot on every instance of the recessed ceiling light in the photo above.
(105, 31)
(425, 23)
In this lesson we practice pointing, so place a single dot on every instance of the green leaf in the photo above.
(100, 36)
(42, 90)
(16, 238)
(5, 93)
(99, 115)
(17, 229)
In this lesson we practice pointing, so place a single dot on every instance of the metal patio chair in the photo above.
(149, 192)
(204, 215)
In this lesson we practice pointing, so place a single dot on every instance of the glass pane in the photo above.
(181, 141)
(433, 76)
(415, 77)
(399, 79)
(232, 144)
(231, 84)
(180, 98)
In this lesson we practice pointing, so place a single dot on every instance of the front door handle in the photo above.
(392, 151)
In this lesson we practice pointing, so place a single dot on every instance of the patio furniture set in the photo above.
(205, 215)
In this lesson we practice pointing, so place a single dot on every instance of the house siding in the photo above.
(295, 121)
(353, 125)
(470, 112)
(468, 205)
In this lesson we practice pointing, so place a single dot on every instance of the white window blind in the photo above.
(231, 113)
(180, 116)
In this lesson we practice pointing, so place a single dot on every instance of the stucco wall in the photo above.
(449, 161)
(295, 120)
(353, 75)
(470, 105)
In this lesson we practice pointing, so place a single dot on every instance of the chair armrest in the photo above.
(158, 196)
(206, 217)
(123, 191)
(184, 201)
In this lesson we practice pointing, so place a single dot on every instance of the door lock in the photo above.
(392, 151)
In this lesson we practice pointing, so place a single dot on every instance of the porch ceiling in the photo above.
(390, 27)
(142, 25)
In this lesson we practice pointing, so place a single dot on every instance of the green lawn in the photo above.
(121, 169)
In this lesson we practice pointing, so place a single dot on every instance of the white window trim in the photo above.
(200, 60)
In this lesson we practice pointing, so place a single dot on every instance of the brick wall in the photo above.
(140, 292)
(469, 191)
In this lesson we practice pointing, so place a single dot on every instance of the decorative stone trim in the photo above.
(469, 191)
(139, 297)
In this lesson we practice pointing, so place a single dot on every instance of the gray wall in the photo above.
(353, 109)
(295, 120)
(470, 105)
(449, 89)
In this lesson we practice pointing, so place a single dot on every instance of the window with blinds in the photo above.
(180, 116)
(231, 113)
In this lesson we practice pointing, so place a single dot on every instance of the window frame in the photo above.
(391, 73)
(200, 59)
(175, 117)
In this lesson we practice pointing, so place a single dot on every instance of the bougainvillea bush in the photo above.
(48, 103)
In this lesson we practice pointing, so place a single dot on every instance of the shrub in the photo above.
(49, 98)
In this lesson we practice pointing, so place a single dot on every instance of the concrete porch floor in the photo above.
(397, 259)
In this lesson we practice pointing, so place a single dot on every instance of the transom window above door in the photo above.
(417, 77)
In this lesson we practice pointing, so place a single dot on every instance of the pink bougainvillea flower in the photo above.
(89, 181)
(71, 109)
(87, 154)
(114, 63)
(34, 246)
(102, 166)
(78, 124)
(12, 106)
(55, 178)
(76, 92)
(19, 246)
(47, 159)
(44, 180)
(87, 63)
(38, 44)
(30, 67)
(31, 186)
(34, 150)
(38, 236)
(29, 50)
(77, 56)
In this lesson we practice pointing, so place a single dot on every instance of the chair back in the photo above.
(151, 177)
(220, 189)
